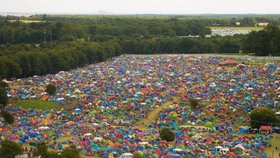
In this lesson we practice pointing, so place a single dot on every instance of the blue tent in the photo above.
(175, 156)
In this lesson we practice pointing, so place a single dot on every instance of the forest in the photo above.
(59, 43)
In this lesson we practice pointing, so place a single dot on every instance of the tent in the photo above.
(44, 128)
(126, 155)
(263, 129)
(177, 151)
(87, 135)
(97, 139)
(239, 146)
(218, 148)
(175, 156)
(143, 143)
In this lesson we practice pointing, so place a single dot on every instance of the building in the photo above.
(262, 24)
(237, 23)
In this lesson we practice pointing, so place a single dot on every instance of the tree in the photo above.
(138, 155)
(7, 117)
(51, 89)
(4, 84)
(167, 135)
(51, 154)
(263, 117)
(3, 96)
(228, 46)
(41, 149)
(264, 42)
(70, 153)
(10, 149)
(193, 103)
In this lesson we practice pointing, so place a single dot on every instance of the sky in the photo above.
(142, 6)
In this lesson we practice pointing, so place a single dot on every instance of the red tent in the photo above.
(231, 62)
(265, 128)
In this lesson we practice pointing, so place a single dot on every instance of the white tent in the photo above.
(177, 151)
(239, 146)
(44, 128)
(218, 148)
(88, 134)
(143, 143)
(225, 151)
(213, 85)
(95, 124)
(126, 155)
(77, 91)
(77, 110)
(97, 139)
(60, 99)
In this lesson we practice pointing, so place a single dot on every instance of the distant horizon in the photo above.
(124, 14)
(141, 7)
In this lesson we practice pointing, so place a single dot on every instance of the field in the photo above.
(27, 21)
(36, 104)
(275, 142)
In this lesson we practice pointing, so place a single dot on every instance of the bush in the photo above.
(51, 154)
(41, 149)
(51, 89)
(193, 103)
(262, 117)
(138, 155)
(167, 135)
(7, 117)
(3, 96)
(10, 149)
(70, 153)
(4, 84)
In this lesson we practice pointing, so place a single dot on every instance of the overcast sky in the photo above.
(142, 6)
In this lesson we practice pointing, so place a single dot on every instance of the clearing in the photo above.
(36, 104)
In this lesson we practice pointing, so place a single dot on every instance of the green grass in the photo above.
(27, 21)
(36, 104)
(239, 28)
(275, 142)
(65, 138)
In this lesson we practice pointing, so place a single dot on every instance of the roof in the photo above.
(265, 128)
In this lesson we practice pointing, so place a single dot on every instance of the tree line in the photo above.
(28, 49)
(24, 60)
(48, 59)
(17, 32)
(17, 61)
(179, 45)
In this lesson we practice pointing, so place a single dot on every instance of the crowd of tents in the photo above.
(109, 98)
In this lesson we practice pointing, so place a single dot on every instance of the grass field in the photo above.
(36, 104)
(239, 28)
(27, 21)
(275, 142)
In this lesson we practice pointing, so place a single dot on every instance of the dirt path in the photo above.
(153, 115)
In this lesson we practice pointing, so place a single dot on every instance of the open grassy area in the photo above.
(28, 21)
(36, 104)
(239, 28)
(275, 142)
